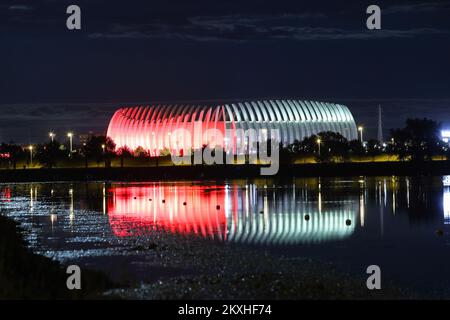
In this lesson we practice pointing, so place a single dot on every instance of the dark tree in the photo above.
(356, 148)
(373, 148)
(325, 146)
(48, 154)
(418, 140)
(13, 153)
(140, 152)
(124, 152)
(99, 148)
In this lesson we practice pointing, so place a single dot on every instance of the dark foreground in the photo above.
(226, 171)
(262, 239)
(24, 275)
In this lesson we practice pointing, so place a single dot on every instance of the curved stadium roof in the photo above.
(150, 126)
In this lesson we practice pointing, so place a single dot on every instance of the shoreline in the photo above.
(27, 275)
(345, 169)
(220, 275)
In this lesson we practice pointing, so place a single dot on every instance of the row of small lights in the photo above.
(52, 136)
(70, 135)
(360, 129)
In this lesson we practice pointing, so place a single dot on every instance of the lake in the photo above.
(398, 223)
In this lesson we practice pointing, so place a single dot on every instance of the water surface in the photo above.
(398, 223)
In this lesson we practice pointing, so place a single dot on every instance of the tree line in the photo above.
(418, 140)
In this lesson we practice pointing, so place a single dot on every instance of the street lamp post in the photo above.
(318, 144)
(360, 129)
(52, 136)
(70, 135)
(103, 153)
(31, 155)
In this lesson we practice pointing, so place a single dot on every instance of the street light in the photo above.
(31, 155)
(103, 148)
(360, 129)
(318, 143)
(51, 135)
(70, 135)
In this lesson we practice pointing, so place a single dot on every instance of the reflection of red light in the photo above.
(6, 194)
(138, 210)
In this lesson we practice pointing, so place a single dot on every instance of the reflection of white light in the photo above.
(361, 209)
(53, 218)
(292, 228)
(407, 192)
(446, 205)
(104, 198)
(71, 213)
(320, 202)
(446, 181)
(31, 199)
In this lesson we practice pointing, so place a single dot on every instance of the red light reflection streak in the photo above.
(6, 195)
(131, 212)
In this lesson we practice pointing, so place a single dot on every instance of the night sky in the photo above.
(138, 52)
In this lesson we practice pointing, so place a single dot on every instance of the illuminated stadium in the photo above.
(157, 127)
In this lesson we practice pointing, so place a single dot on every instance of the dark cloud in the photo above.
(20, 7)
(30, 123)
(417, 7)
(255, 27)
(176, 50)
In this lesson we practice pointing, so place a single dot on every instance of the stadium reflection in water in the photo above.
(231, 213)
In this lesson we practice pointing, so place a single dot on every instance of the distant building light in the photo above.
(445, 135)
